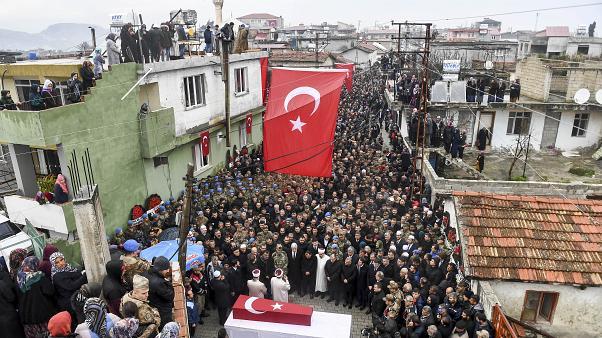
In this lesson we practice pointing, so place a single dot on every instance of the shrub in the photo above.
(519, 178)
(46, 183)
(582, 171)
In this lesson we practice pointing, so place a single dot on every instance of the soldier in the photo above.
(280, 258)
(132, 263)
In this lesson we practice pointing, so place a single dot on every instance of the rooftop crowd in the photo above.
(367, 237)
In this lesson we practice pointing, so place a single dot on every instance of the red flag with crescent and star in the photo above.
(205, 142)
(267, 310)
(349, 80)
(300, 121)
(249, 123)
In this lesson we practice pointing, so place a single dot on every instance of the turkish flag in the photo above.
(349, 80)
(264, 78)
(249, 123)
(205, 142)
(267, 310)
(300, 121)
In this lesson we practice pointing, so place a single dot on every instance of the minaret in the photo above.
(219, 4)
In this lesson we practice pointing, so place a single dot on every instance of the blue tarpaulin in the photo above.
(194, 253)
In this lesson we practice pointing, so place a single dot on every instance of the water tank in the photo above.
(33, 56)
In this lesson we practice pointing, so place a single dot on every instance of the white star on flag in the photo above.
(297, 124)
(276, 307)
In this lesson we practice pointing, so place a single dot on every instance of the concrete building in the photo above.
(484, 30)
(262, 26)
(541, 267)
(558, 41)
(136, 152)
(363, 55)
(499, 52)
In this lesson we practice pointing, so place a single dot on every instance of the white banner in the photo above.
(451, 66)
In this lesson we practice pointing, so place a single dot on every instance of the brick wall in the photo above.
(535, 78)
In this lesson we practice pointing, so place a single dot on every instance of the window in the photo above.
(200, 160)
(539, 306)
(194, 90)
(242, 133)
(242, 85)
(23, 88)
(518, 123)
(580, 125)
(583, 49)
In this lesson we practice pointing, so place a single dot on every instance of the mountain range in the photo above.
(61, 36)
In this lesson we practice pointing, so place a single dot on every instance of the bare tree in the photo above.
(83, 46)
(522, 141)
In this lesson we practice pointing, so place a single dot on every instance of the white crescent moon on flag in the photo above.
(249, 306)
(204, 138)
(303, 90)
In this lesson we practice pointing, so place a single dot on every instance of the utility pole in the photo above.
(184, 222)
(225, 57)
(418, 158)
(317, 53)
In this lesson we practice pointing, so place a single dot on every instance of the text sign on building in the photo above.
(117, 19)
(451, 66)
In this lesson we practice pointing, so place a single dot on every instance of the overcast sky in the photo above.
(32, 16)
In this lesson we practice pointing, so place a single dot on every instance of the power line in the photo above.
(516, 12)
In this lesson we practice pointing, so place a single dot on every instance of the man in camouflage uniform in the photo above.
(280, 258)
(132, 263)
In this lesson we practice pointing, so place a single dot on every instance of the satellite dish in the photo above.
(581, 96)
(488, 65)
(599, 96)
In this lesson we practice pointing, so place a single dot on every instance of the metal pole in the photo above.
(93, 30)
(317, 55)
(184, 223)
(526, 155)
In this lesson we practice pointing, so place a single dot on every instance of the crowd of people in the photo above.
(367, 237)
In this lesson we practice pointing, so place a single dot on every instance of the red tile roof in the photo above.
(532, 239)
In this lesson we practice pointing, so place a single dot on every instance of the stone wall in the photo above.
(589, 78)
(569, 190)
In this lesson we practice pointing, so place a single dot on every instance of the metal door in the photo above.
(550, 130)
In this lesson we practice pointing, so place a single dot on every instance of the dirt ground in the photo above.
(541, 166)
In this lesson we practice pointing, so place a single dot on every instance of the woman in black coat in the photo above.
(36, 298)
(112, 288)
(9, 318)
(87, 73)
(66, 280)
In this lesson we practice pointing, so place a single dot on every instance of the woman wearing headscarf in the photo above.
(113, 52)
(9, 318)
(45, 265)
(79, 298)
(48, 94)
(60, 325)
(170, 330)
(61, 193)
(98, 62)
(112, 287)
(125, 328)
(66, 280)
(87, 72)
(95, 324)
(36, 299)
(15, 259)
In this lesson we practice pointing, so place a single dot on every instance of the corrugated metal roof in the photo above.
(532, 239)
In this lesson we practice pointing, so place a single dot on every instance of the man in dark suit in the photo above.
(294, 267)
(377, 304)
(361, 284)
(308, 274)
